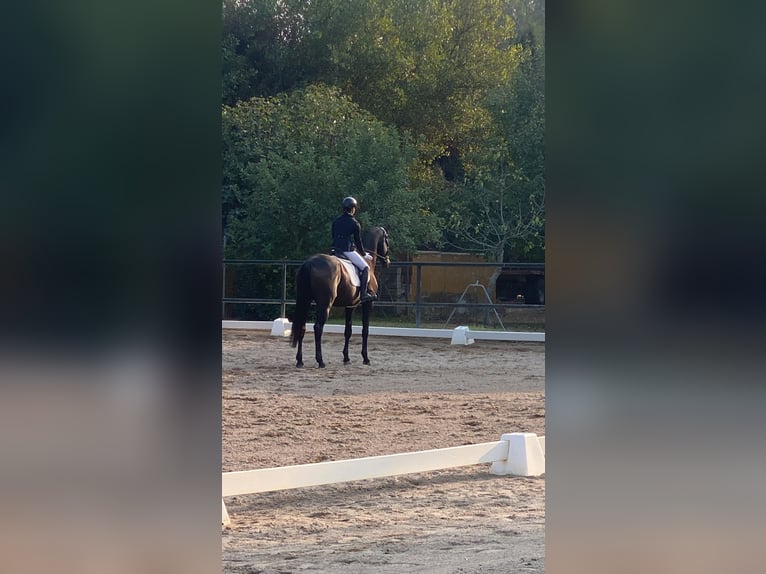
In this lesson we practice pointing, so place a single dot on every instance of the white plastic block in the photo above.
(526, 456)
(461, 336)
(280, 328)
(225, 520)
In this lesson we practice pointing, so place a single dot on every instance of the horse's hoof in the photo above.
(298, 365)
(321, 365)
(366, 362)
(346, 361)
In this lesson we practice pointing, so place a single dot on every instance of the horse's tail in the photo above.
(302, 302)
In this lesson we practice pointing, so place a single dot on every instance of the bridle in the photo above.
(387, 259)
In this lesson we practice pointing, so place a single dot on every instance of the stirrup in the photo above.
(368, 297)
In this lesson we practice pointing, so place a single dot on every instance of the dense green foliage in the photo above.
(290, 158)
(430, 112)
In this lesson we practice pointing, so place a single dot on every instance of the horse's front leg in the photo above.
(322, 315)
(366, 308)
(347, 334)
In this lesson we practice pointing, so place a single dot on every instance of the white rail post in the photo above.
(280, 328)
(461, 336)
(525, 456)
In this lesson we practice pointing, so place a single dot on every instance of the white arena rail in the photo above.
(459, 335)
(520, 454)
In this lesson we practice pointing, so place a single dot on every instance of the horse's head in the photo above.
(376, 239)
(381, 246)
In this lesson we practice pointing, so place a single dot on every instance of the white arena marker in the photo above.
(225, 520)
(525, 455)
(461, 336)
(281, 328)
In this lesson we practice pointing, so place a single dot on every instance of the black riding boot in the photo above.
(363, 279)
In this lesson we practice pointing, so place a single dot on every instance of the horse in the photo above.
(324, 279)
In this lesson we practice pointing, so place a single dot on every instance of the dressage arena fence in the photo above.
(459, 335)
(518, 454)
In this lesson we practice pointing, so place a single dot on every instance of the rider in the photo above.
(347, 234)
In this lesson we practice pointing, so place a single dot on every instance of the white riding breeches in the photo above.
(356, 259)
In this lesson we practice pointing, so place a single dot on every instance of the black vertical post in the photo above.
(223, 280)
(284, 291)
(417, 295)
(223, 294)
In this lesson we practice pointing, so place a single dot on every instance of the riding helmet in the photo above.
(348, 203)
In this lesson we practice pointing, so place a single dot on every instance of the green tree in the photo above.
(461, 80)
(425, 66)
(264, 48)
(502, 213)
(529, 17)
(290, 159)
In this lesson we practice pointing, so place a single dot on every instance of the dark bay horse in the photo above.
(323, 279)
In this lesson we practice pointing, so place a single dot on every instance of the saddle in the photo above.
(355, 276)
(351, 270)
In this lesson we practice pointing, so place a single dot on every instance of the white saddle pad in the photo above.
(353, 272)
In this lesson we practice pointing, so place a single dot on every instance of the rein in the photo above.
(375, 256)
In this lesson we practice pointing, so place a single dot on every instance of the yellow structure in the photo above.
(453, 280)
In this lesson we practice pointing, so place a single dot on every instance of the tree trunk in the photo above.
(491, 287)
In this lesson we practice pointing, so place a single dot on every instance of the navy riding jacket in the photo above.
(346, 232)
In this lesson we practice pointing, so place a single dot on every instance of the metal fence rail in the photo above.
(277, 277)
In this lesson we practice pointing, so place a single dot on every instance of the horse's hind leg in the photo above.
(322, 315)
(366, 308)
(299, 354)
(347, 333)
